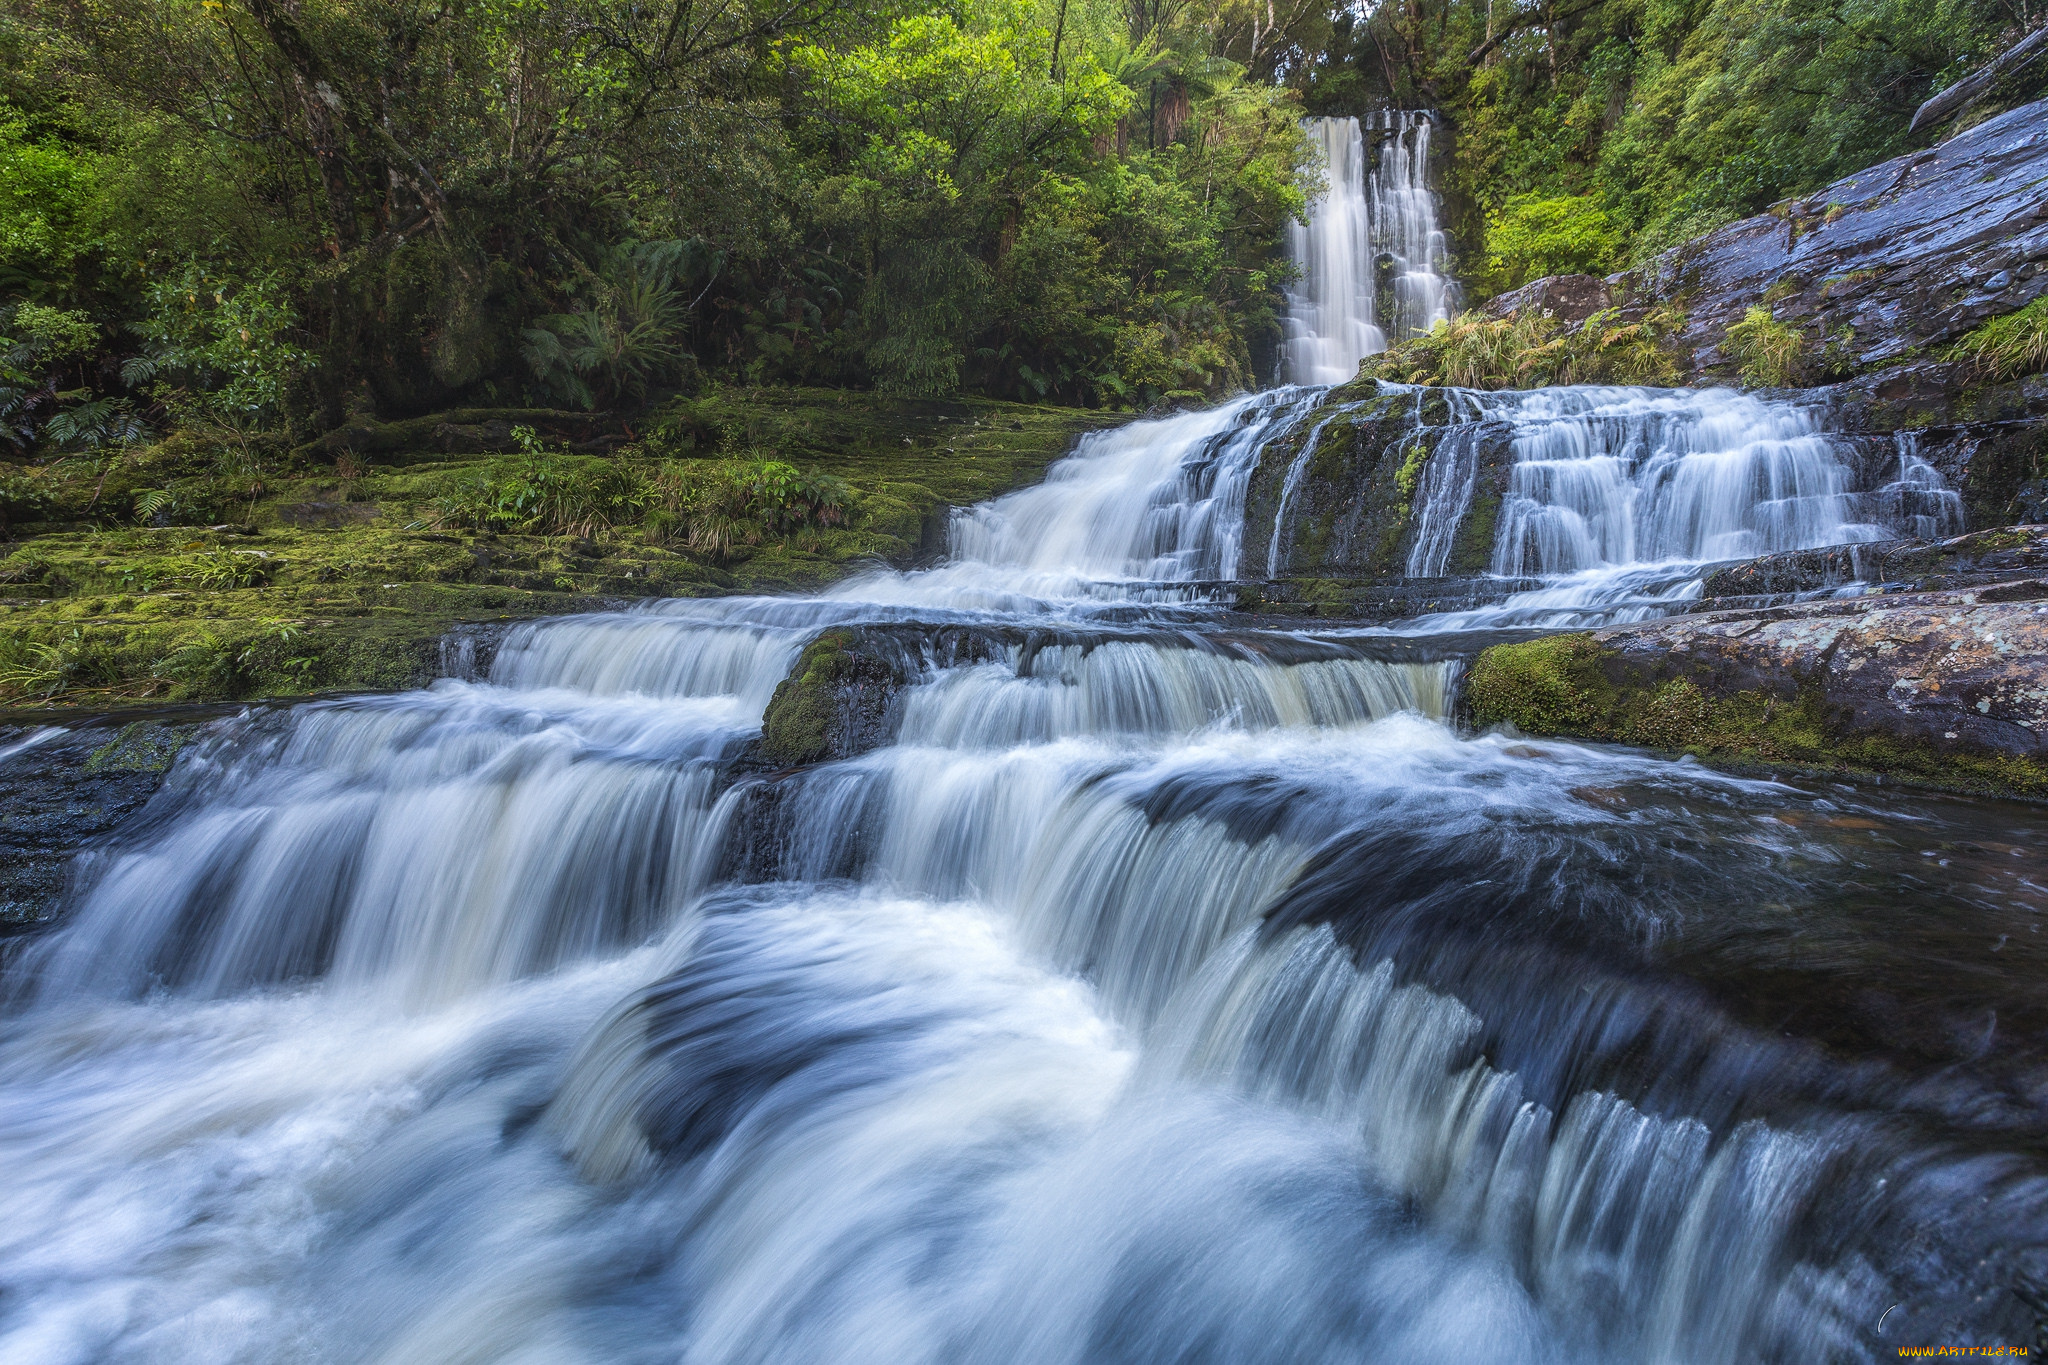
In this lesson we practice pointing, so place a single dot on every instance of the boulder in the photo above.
(1945, 689)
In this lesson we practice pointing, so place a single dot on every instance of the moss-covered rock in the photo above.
(59, 791)
(1340, 494)
(834, 703)
(344, 576)
(1942, 689)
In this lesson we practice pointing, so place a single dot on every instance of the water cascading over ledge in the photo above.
(1371, 254)
(1156, 989)
(1584, 504)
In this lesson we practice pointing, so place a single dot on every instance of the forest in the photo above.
(253, 219)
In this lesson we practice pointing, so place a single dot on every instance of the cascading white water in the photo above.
(1621, 496)
(1160, 990)
(1372, 233)
(1145, 505)
(1612, 478)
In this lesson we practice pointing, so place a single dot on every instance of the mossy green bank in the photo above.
(339, 565)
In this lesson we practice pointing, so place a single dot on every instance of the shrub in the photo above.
(713, 507)
(2009, 346)
(1767, 350)
(716, 507)
(1532, 236)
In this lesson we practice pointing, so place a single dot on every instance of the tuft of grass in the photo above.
(2010, 346)
(1769, 351)
(1530, 349)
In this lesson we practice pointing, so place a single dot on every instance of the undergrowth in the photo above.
(2010, 346)
(1531, 349)
(1769, 352)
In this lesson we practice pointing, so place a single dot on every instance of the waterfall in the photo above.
(1371, 253)
(1161, 987)
(1623, 497)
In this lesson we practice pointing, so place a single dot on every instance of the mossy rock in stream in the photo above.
(142, 746)
(833, 704)
(1608, 687)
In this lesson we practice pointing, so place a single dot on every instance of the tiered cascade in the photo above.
(1161, 988)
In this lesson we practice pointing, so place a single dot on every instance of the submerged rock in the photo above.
(1945, 689)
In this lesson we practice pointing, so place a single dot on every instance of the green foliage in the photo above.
(1668, 117)
(630, 333)
(43, 669)
(1527, 349)
(46, 195)
(221, 352)
(599, 202)
(54, 335)
(710, 506)
(1410, 473)
(715, 507)
(2010, 346)
(1769, 352)
(1530, 236)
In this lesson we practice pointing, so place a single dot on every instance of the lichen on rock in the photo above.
(1939, 688)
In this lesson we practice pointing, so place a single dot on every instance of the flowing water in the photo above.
(1619, 500)
(1162, 989)
(1371, 253)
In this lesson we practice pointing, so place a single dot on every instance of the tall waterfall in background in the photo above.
(1371, 240)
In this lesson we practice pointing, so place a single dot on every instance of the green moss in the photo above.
(140, 747)
(1410, 473)
(1545, 687)
(798, 724)
(318, 577)
(1472, 551)
(1569, 685)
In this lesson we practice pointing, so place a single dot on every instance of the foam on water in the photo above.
(1161, 990)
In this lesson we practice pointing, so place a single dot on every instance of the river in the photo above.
(1166, 988)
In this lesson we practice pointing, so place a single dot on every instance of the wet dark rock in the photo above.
(1988, 441)
(1894, 262)
(1567, 298)
(467, 651)
(1906, 565)
(834, 704)
(1339, 492)
(1940, 688)
(1376, 600)
(63, 789)
(1879, 269)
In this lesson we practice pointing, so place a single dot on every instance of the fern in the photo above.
(1769, 352)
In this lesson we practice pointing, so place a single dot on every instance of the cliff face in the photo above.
(1886, 266)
